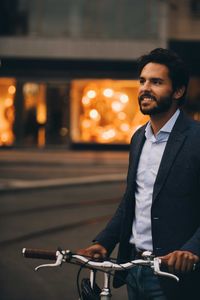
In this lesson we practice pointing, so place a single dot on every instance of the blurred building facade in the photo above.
(68, 68)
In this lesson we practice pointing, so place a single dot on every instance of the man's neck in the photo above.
(159, 120)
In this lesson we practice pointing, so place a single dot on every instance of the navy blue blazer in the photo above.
(175, 212)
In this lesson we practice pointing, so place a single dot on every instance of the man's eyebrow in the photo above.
(151, 78)
(156, 78)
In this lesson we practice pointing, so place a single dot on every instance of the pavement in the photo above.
(41, 168)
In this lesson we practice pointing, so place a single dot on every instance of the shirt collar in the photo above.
(164, 132)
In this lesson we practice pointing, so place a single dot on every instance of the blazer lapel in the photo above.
(174, 144)
(138, 145)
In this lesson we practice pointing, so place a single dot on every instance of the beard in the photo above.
(163, 104)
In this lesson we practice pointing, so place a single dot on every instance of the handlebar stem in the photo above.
(106, 294)
(92, 277)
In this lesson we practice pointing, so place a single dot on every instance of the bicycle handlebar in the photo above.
(67, 256)
(39, 253)
(61, 256)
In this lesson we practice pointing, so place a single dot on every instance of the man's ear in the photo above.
(179, 92)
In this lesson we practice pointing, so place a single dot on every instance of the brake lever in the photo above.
(157, 271)
(56, 264)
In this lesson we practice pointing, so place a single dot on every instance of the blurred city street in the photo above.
(50, 199)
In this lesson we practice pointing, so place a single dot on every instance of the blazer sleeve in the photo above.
(193, 244)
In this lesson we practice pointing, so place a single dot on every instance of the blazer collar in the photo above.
(174, 144)
(135, 156)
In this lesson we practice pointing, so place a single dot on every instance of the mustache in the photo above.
(146, 95)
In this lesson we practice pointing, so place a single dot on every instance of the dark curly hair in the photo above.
(178, 71)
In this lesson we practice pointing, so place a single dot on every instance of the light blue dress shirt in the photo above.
(148, 166)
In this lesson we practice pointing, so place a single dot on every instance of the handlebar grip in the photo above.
(39, 253)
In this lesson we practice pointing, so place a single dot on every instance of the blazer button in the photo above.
(158, 248)
(155, 218)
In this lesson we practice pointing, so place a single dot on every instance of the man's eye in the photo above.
(156, 81)
(141, 81)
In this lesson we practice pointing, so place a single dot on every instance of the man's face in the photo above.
(155, 92)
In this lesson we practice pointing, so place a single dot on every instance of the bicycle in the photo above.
(89, 288)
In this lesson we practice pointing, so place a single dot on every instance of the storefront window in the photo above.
(7, 111)
(35, 114)
(57, 129)
(104, 111)
(87, 111)
(45, 113)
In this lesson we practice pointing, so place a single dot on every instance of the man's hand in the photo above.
(180, 261)
(95, 251)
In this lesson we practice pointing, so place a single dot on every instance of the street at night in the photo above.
(64, 216)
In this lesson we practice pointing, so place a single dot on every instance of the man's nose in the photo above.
(145, 87)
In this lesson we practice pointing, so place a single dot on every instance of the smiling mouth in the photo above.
(146, 98)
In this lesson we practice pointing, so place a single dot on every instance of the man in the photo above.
(160, 208)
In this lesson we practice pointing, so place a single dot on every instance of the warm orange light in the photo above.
(121, 115)
(108, 92)
(108, 134)
(86, 123)
(31, 89)
(4, 137)
(11, 89)
(105, 111)
(124, 126)
(124, 98)
(8, 102)
(94, 114)
(7, 111)
(117, 106)
(91, 94)
(41, 137)
(41, 113)
(86, 101)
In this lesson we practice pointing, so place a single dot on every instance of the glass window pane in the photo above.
(35, 114)
(57, 113)
(7, 111)
(104, 111)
